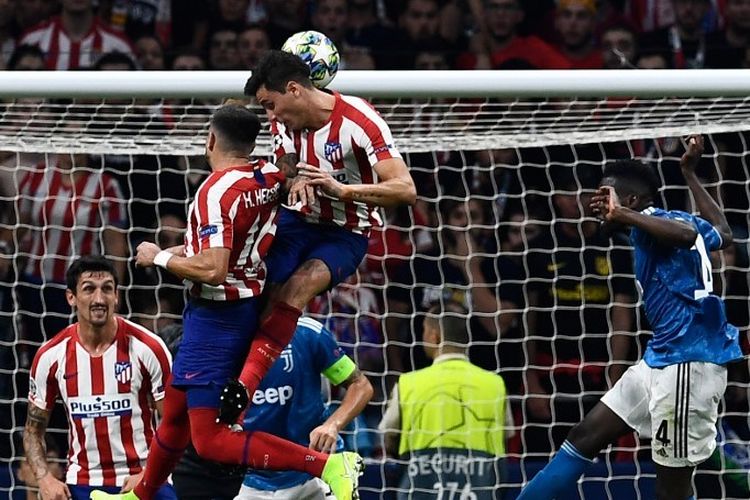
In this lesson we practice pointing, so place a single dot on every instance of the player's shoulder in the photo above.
(62, 336)
(359, 109)
(144, 336)
(312, 331)
(270, 169)
(55, 347)
(309, 326)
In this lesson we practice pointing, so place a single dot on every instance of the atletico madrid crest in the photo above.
(123, 371)
(333, 151)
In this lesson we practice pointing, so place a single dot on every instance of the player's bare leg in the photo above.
(674, 483)
(310, 279)
(599, 428)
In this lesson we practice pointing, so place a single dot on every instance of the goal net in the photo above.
(501, 225)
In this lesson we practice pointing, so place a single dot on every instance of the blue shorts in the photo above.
(215, 343)
(298, 241)
(166, 492)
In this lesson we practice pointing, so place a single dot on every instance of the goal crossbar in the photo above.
(388, 84)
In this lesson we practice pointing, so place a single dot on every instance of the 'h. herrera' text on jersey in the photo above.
(235, 209)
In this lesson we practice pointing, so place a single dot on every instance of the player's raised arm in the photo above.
(707, 206)
(625, 198)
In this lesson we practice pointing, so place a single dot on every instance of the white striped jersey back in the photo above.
(235, 209)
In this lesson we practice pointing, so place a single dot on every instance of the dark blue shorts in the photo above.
(298, 241)
(215, 343)
(166, 492)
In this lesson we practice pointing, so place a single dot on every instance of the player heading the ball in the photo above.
(343, 164)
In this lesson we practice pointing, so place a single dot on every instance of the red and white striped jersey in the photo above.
(355, 139)
(106, 398)
(66, 221)
(236, 209)
(62, 53)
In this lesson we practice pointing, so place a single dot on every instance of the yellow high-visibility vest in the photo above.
(452, 404)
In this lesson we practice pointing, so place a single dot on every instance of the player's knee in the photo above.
(205, 441)
(310, 279)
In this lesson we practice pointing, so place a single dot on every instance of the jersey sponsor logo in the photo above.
(208, 230)
(123, 371)
(333, 151)
(114, 405)
(579, 293)
(340, 176)
(286, 356)
(273, 395)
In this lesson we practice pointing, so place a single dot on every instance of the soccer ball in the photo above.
(318, 52)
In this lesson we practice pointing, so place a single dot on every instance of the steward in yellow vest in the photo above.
(449, 420)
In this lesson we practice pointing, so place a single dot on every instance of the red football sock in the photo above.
(270, 339)
(257, 450)
(170, 441)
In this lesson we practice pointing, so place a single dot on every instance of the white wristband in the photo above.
(162, 258)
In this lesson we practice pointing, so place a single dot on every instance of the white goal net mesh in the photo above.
(501, 225)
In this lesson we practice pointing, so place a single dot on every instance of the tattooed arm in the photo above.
(50, 488)
(288, 164)
(298, 190)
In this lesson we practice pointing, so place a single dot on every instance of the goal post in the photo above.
(500, 159)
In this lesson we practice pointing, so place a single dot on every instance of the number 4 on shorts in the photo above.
(662, 435)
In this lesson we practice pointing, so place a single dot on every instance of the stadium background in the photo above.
(492, 207)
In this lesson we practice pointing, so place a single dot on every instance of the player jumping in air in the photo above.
(344, 164)
(232, 222)
(673, 393)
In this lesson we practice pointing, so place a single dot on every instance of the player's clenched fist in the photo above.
(146, 252)
(693, 153)
(323, 438)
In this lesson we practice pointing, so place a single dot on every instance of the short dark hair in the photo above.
(22, 51)
(88, 264)
(275, 70)
(451, 318)
(633, 177)
(237, 127)
(115, 57)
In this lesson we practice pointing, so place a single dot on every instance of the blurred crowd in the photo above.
(507, 233)
(383, 34)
